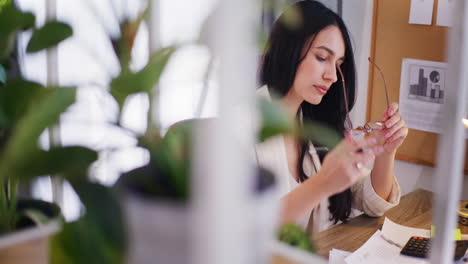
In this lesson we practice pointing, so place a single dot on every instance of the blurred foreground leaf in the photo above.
(3, 76)
(275, 120)
(17, 97)
(128, 83)
(24, 138)
(295, 236)
(48, 36)
(12, 20)
(167, 173)
(55, 160)
(321, 134)
(99, 236)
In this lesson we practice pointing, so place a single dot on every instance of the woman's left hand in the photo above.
(395, 129)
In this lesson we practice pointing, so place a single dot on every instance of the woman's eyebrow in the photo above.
(329, 51)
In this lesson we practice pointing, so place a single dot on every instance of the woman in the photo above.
(300, 65)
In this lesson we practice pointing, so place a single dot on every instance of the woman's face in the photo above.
(317, 71)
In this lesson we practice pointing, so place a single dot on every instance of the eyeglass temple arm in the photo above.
(345, 92)
(383, 78)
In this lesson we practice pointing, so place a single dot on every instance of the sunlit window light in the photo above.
(465, 122)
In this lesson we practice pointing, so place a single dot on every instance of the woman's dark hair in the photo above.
(285, 52)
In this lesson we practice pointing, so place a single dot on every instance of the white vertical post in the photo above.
(52, 54)
(154, 43)
(53, 80)
(223, 175)
(451, 147)
(154, 25)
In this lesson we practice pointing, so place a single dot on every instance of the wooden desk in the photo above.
(414, 210)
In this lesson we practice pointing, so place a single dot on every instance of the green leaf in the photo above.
(97, 237)
(16, 97)
(275, 120)
(292, 17)
(128, 83)
(7, 44)
(3, 76)
(12, 19)
(322, 134)
(24, 138)
(294, 235)
(172, 156)
(5, 3)
(48, 36)
(70, 161)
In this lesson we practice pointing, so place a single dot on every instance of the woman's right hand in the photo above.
(343, 166)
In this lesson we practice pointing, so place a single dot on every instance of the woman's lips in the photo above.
(321, 89)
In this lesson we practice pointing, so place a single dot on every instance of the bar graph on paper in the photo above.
(427, 84)
(422, 90)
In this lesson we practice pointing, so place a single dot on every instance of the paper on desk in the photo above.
(376, 250)
(337, 256)
(380, 249)
(401, 234)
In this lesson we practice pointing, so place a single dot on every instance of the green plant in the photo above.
(295, 236)
(27, 109)
(99, 236)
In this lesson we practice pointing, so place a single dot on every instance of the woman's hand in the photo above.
(395, 129)
(343, 166)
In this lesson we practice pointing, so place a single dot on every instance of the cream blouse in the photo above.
(271, 154)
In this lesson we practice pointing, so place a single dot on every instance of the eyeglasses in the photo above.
(369, 127)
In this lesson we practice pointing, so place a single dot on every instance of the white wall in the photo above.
(358, 17)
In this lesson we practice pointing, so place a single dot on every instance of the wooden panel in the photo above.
(392, 40)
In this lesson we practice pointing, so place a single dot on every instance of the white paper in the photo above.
(422, 90)
(400, 234)
(384, 246)
(445, 12)
(421, 12)
(380, 249)
(337, 256)
(376, 250)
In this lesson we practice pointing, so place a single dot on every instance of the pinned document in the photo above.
(421, 12)
(445, 12)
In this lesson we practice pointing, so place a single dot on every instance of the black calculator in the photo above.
(419, 247)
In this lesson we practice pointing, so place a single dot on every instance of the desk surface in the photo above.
(414, 210)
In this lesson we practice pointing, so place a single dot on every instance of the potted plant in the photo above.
(155, 197)
(158, 189)
(27, 109)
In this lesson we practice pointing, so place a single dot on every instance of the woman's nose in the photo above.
(330, 74)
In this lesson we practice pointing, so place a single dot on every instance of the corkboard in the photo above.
(393, 39)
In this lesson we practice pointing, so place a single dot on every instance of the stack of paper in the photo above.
(383, 247)
(380, 249)
(401, 234)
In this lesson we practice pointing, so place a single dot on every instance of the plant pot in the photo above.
(157, 230)
(30, 244)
